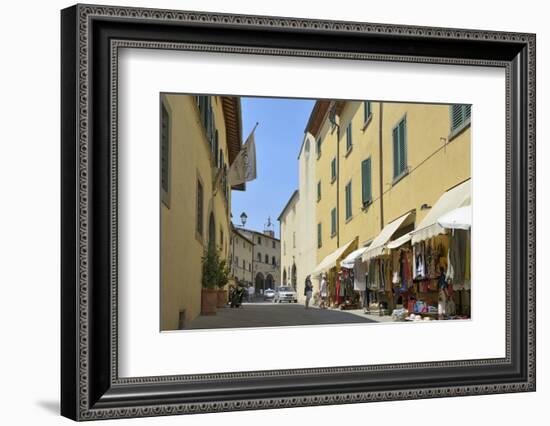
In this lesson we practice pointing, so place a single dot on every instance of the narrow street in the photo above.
(267, 314)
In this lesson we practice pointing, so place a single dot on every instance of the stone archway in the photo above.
(294, 277)
(269, 281)
(284, 276)
(259, 282)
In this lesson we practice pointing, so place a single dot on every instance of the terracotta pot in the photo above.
(209, 300)
(222, 298)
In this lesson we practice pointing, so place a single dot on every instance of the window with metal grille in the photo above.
(460, 115)
(348, 200)
(400, 148)
(366, 181)
(165, 154)
(333, 222)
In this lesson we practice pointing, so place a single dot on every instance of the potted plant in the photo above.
(209, 294)
(222, 280)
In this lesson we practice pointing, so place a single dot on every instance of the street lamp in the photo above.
(243, 218)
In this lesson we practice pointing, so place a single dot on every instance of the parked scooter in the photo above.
(236, 295)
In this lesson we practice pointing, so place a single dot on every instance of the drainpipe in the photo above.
(381, 168)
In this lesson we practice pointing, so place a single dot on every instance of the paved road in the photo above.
(274, 315)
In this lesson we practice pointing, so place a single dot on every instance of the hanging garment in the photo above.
(450, 274)
(467, 256)
(458, 254)
(407, 270)
(359, 272)
(414, 249)
(442, 281)
(388, 277)
(337, 294)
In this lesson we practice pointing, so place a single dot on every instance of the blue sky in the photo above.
(278, 139)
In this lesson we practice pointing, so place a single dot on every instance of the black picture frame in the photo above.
(90, 386)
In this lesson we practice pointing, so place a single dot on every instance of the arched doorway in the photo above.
(269, 281)
(293, 277)
(211, 232)
(259, 283)
(284, 276)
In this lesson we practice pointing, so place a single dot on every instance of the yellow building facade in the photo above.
(200, 137)
(378, 161)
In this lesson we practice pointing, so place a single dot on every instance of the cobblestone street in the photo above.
(263, 314)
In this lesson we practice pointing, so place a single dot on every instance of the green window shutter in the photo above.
(368, 110)
(348, 200)
(333, 221)
(366, 181)
(402, 146)
(319, 241)
(319, 190)
(318, 144)
(467, 111)
(216, 149)
(395, 137)
(333, 169)
(456, 116)
(199, 208)
(348, 137)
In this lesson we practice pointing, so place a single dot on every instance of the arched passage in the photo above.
(259, 282)
(293, 277)
(269, 281)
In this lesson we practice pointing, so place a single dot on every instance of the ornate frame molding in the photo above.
(78, 57)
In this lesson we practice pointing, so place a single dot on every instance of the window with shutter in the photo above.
(319, 240)
(399, 136)
(348, 200)
(318, 145)
(368, 110)
(460, 116)
(333, 222)
(318, 190)
(348, 137)
(216, 150)
(200, 201)
(165, 154)
(333, 169)
(366, 181)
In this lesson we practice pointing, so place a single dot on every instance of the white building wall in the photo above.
(289, 240)
(305, 220)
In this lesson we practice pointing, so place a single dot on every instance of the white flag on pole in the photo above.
(243, 168)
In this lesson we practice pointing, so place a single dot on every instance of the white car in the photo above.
(285, 294)
(269, 294)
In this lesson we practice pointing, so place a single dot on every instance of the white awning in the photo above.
(377, 246)
(455, 197)
(349, 261)
(330, 260)
(460, 218)
(399, 242)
